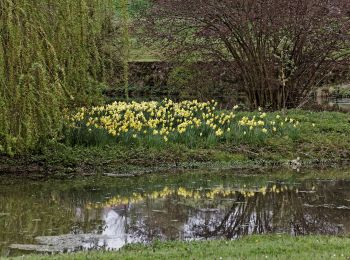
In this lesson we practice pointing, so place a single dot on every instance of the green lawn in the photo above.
(253, 247)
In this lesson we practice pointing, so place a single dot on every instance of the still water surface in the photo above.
(108, 213)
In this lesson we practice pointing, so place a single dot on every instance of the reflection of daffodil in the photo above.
(199, 194)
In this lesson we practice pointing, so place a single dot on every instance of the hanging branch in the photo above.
(126, 44)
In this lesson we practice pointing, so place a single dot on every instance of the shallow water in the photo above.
(108, 212)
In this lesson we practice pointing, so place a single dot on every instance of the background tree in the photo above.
(278, 49)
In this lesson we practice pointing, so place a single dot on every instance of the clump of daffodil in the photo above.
(261, 122)
(168, 120)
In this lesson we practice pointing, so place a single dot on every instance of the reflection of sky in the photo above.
(114, 235)
(192, 221)
(114, 227)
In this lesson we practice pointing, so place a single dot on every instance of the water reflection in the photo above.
(231, 214)
(224, 208)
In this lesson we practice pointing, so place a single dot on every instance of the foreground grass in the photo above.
(323, 138)
(253, 247)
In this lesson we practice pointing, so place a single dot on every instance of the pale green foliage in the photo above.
(49, 59)
(124, 12)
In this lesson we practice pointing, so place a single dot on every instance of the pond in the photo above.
(107, 212)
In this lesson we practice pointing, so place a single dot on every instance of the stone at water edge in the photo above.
(63, 243)
(37, 248)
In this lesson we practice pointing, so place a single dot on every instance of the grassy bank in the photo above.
(322, 139)
(253, 247)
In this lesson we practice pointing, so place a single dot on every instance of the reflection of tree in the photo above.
(158, 219)
(276, 212)
(257, 214)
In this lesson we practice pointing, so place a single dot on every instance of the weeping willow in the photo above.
(50, 58)
(126, 44)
